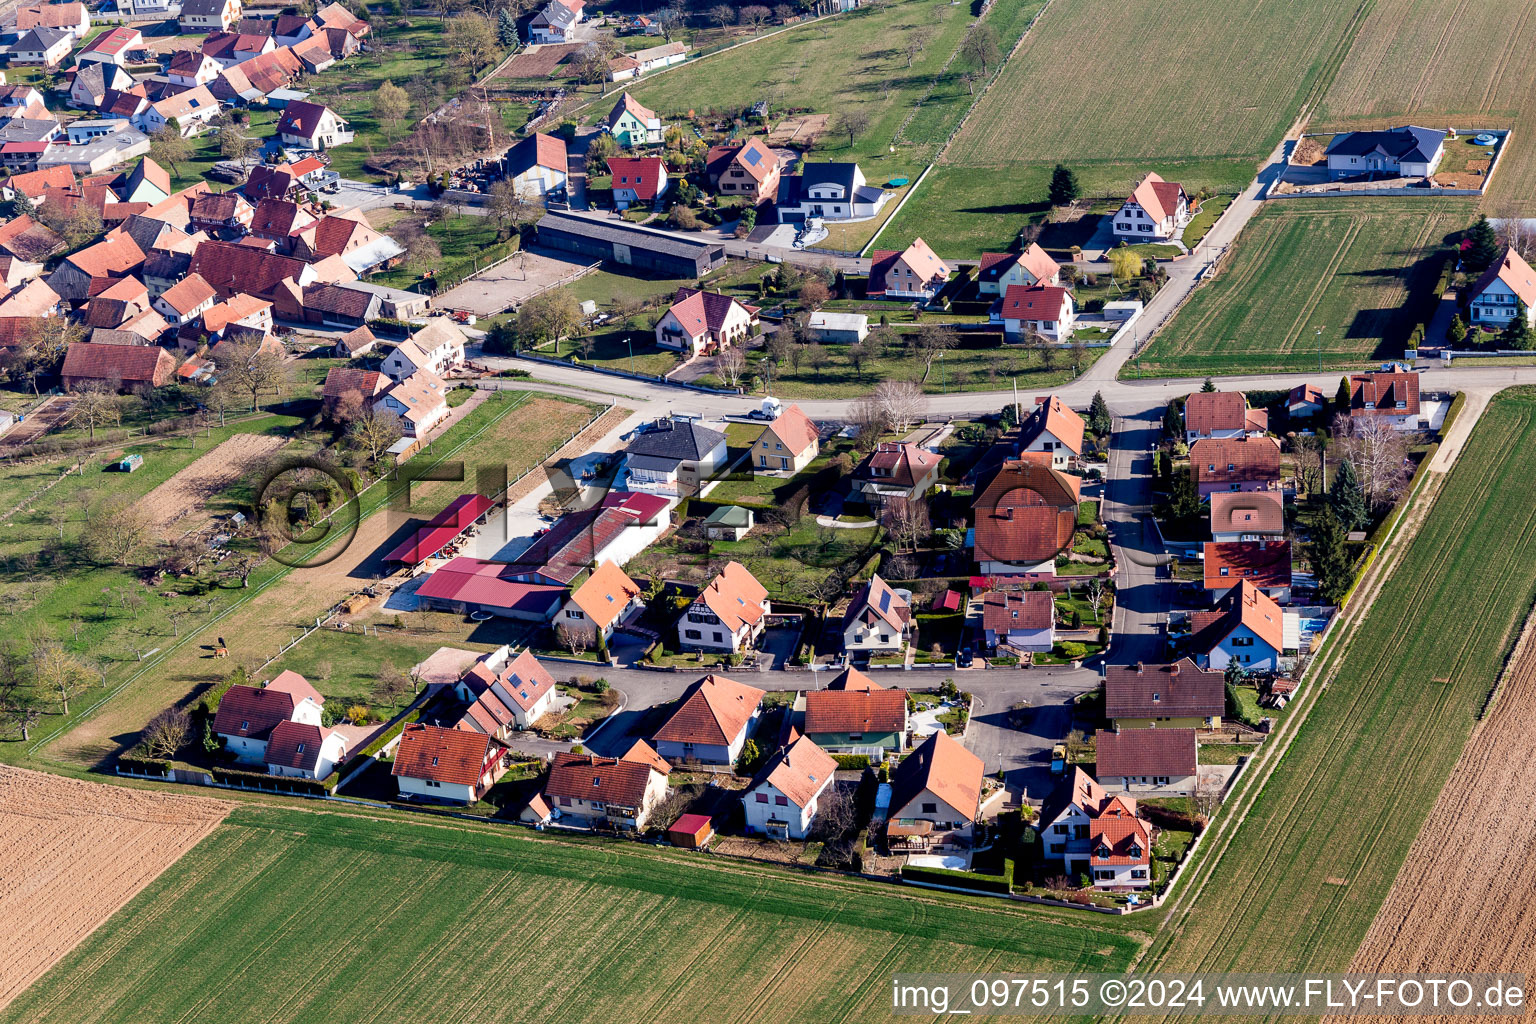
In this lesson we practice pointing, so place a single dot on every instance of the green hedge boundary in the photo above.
(1002, 883)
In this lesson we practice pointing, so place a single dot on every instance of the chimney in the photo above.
(1139, 668)
(1174, 671)
(1008, 513)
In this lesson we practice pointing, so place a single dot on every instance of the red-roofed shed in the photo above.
(691, 832)
(444, 528)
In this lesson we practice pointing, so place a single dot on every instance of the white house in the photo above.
(603, 602)
(247, 715)
(186, 300)
(788, 444)
(781, 802)
(520, 684)
(438, 347)
(312, 126)
(192, 67)
(637, 181)
(420, 400)
(676, 457)
(1045, 310)
(1391, 397)
(446, 765)
(935, 796)
(1147, 762)
(73, 18)
(914, 273)
(190, 111)
(1054, 429)
(1406, 152)
(1032, 266)
(878, 619)
(1246, 628)
(1156, 211)
(1093, 832)
(1507, 283)
(700, 322)
(537, 166)
(712, 722)
(586, 790)
(829, 191)
(112, 47)
(838, 328)
(203, 16)
(556, 22)
(45, 46)
(1024, 620)
(729, 614)
(305, 751)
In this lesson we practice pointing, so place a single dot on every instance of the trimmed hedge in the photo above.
(851, 762)
(148, 765)
(1002, 883)
(273, 783)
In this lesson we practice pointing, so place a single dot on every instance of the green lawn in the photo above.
(229, 933)
(1363, 273)
(1307, 869)
(467, 243)
(1210, 212)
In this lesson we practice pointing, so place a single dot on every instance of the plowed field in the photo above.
(72, 853)
(182, 499)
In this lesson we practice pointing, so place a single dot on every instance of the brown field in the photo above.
(1462, 63)
(1462, 900)
(540, 63)
(74, 853)
(182, 499)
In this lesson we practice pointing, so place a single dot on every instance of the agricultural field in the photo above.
(1364, 273)
(1480, 892)
(65, 839)
(678, 936)
(1465, 65)
(1307, 870)
(856, 62)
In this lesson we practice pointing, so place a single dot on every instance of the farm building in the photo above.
(430, 540)
(469, 586)
(643, 249)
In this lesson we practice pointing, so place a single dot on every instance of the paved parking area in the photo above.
(512, 282)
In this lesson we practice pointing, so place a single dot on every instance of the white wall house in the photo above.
(1497, 295)
(781, 802)
(878, 619)
(305, 751)
(1045, 310)
(1156, 211)
(1409, 152)
(247, 715)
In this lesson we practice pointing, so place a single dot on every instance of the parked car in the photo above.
(964, 659)
(1058, 759)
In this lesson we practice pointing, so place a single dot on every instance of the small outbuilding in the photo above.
(691, 832)
(728, 522)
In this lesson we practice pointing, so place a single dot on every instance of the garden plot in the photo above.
(182, 500)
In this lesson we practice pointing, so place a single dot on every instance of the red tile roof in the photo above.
(1177, 690)
(297, 745)
(851, 678)
(876, 601)
(1248, 512)
(1245, 605)
(713, 712)
(642, 174)
(1052, 416)
(341, 379)
(1038, 302)
(1206, 412)
(925, 265)
(1265, 564)
(455, 756)
(187, 294)
(605, 594)
(1026, 514)
(253, 711)
(616, 781)
(1003, 611)
(735, 596)
(1158, 197)
(943, 767)
(1390, 393)
(855, 711)
(1171, 752)
(903, 465)
(1516, 274)
(720, 158)
(700, 311)
(131, 364)
(795, 429)
(1232, 460)
(233, 269)
(1118, 837)
(800, 771)
(113, 256)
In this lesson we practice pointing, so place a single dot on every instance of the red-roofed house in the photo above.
(1251, 464)
(247, 715)
(446, 765)
(1221, 414)
(521, 685)
(1391, 397)
(185, 300)
(999, 271)
(1045, 310)
(1054, 429)
(1156, 211)
(914, 273)
(637, 180)
(1305, 400)
(729, 614)
(125, 365)
(1247, 515)
(303, 750)
(858, 716)
(1246, 628)
(781, 802)
(606, 792)
(601, 603)
(703, 322)
(895, 469)
(1507, 282)
(750, 170)
(1120, 847)
(789, 443)
(1024, 518)
(1151, 762)
(935, 796)
(1022, 619)
(1265, 564)
(95, 267)
(712, 722)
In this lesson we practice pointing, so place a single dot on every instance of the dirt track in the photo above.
(183, 498)
(75, 852)
(1462, 901)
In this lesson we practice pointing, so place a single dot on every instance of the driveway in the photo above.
(1141, 601)
(1023, 753)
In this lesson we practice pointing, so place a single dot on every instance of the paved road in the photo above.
(1141, 598)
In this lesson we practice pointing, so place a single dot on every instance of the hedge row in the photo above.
(276, 783)
(851, 762)
(147, 765)
(1002, 883)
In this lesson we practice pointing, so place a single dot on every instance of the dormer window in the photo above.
(1156, 697)
(300, 748)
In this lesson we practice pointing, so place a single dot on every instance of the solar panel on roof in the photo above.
(752, 157)
(885, 601)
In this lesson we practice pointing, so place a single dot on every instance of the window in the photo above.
(762, 798)
(930, 808)
(1080, 832)
(1103, 875)
(1058, 847)
(434, 784)
(1139, 873)
(1160, 780)
(718, 638)
(855, 737)
(781, 801)
(1060, 830)
(693, 634)
(573, 613)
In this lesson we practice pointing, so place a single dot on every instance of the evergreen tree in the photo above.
(1341, 397)
(1173, 422)
(1485, 246)
(1457, 331)
(1347, 500)
(1518, 334)
(506, 29)
(1330, 557)
(1064, 189)
(1183, 498)
(1099, 420)
(1208, 386)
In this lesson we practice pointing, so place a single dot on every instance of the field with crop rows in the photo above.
(1307, 870)
(284, 915)
(1463, 64)
(1362, 271)
(1102, 80)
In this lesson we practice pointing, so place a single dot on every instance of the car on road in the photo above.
(964, 658)
(1058, 759)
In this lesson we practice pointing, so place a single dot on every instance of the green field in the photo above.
(1363, 272)
(856, 62)
(289, 916)
(1306, 871)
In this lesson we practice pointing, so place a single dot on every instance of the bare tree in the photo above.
(1379, 454)
(851, 123)
(392, 684)
(816, 356)
(374, 431)
(96, 406)
(928, 342)
(1311, 453)
(1515, 231)
(113, 530)
(908, 520)
(836, 814)
(253, 370)
(56, 669)
(722, 15)
(915, 44)
(902, 402)
(572, 639)
(753, 16)
(730, 365)
(670, 19)
(167, 732)
(872, 420)
(980, 46)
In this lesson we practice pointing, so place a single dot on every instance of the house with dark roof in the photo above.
(1024, 518)
(1406, 152)
(127, 366)
(45, 46)
(638, 181)
(247, 715)
(700, 322)
(855, 714)
(1092, 831)
(751, 169)
(1027, 268)
(1391, 398)
(656, 252)
(339, 306)
(537, 166)
(209, 15)
(1246, 628)
(782, 800)
(674, 457)
(556, 21)
(1155, 211)
(1147, 762)
(895, 470)
(936, 796)
(1507, 284)
(585, 790)
(1235, 464)
(711, 722)
(624, 525)
(787, 444)
(1022, 619)
(1247, 516)
(438, 765)
(729, 614)
(1222, 414)
(913, 274)
(313, 126)
(1176, 695)
(92, 82)
(305, 751)
(830, 191)
(878, 620)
